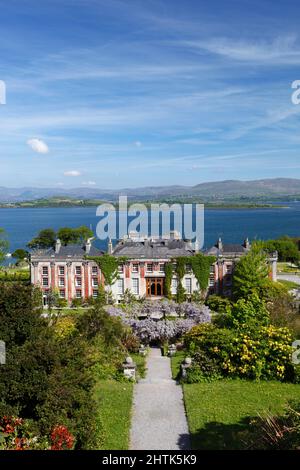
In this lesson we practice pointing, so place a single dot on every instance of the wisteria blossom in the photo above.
(150, 322)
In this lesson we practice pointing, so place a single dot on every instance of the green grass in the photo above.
(219, 412)
(289, 284)
(141, 364)
(284, 267)
(176, 360)
(115, 402)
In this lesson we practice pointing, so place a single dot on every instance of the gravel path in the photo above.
(159, 421)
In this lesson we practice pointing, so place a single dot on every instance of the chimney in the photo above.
(57, 245)
(109, 247)
(220, 244)
(88, 245)
(247, 243)
(174, 235)
(196, 246)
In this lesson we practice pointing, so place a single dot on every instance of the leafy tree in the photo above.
(69, 235)
(250, 274)
(45, 239)
(20, 254)
(84, 233)
(97, 321)
(251, 311)
(286, 248)
(219, 304)
(46, 379)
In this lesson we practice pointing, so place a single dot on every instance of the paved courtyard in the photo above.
(158, 420)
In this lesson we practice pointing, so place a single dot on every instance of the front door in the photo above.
(154, 286)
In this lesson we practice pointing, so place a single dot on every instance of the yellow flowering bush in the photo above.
(263, 352)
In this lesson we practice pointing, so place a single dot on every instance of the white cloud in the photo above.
(89, 183)
(281, 51)
(72, 173)
(137, 143)
(38, 146)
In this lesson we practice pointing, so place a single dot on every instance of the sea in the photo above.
(232, 225)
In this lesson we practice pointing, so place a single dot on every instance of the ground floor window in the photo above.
(120, 286)
(174, 286)
(135, 286)
(95, 293)
(78, 293)
(62, 293)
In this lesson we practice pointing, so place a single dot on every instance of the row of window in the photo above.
(62, 293)
(62, 282)
(135, 269)
(61, 270)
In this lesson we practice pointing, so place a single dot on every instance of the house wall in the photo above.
(220, 279)
(78, 277)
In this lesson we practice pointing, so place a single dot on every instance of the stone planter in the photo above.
(129, 368)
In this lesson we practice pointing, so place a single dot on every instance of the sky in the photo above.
(131, 93)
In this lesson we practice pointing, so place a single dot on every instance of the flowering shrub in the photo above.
(260, 353)
(17, 434)
(150, 320)
(61, 438)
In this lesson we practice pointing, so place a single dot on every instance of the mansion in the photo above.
(67, 269)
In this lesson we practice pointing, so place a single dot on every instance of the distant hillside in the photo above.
(274, 188)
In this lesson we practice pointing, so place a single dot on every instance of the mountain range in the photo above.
(210, 191)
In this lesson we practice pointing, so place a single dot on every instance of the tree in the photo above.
(250, 274)
(67, 236)
(286, 248)
(45, 239)
(252, 311)
(46, 379)
(20, 254)
(84, 233)
(3, 245)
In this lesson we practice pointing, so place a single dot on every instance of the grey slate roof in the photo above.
(153, 249)
(65, 252)
(227, 249)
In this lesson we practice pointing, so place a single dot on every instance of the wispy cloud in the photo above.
(72, 173)
(282, 50)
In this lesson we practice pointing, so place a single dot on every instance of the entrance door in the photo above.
(154, 286)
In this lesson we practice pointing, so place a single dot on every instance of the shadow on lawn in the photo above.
(220, 436)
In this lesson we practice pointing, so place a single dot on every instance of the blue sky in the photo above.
(126, 93)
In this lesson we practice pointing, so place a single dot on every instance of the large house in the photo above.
(67, 269)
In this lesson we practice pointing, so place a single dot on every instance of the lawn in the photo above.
(115, 403)
(114, 400)
(284, 267)
(219, 412)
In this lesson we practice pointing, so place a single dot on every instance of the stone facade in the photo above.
(67, 270)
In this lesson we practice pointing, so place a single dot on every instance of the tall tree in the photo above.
(250, 274)
(45, 239)
(69, 235)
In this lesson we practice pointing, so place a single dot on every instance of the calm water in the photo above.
(233, 225)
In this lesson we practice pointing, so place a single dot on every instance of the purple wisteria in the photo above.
(151, 321)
